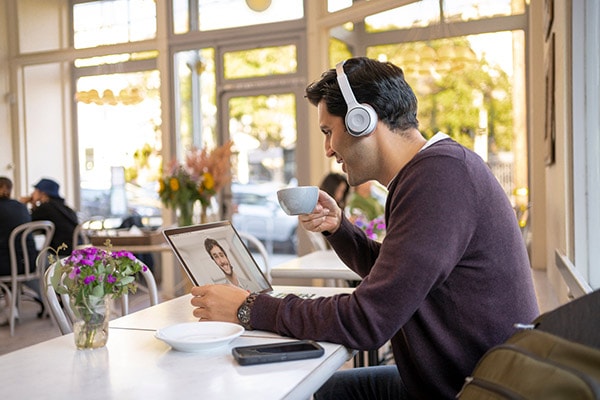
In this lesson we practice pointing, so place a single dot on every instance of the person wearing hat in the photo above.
(46, 204)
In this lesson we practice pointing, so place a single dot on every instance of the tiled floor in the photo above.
(30, 329)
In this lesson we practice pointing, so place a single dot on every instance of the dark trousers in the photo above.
(376, 383)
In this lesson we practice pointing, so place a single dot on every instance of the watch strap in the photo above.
(245, 311)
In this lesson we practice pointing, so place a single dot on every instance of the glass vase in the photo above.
(203, 213)
(185, 214)
(90, 328)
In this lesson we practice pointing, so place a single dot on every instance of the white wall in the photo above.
(5, 136)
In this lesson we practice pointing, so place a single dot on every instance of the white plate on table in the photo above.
(198, 336)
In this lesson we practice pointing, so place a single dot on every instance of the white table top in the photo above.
(323, 264)
(180, 310)
(136, 365)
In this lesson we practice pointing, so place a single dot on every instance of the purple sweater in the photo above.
(448, 282)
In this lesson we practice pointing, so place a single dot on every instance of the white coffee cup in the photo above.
(298, 200)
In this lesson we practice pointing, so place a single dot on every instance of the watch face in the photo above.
(244, 315)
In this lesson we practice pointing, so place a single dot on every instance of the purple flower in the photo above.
(123, 253)
(74, 272)
(89, 279)
(86, 261)
(111, 279)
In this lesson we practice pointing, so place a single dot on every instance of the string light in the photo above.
(128, 96)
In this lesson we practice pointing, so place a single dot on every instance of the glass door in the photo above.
(263, 128)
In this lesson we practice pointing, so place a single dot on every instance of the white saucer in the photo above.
(198, 336)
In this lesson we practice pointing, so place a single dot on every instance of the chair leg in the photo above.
(14, 300)
(8, 301)
(10, 296)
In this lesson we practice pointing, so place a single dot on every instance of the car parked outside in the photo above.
(257, 212)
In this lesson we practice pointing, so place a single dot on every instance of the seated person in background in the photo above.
(12, 214)
(336, 185)
(362, 202)
(46, 204)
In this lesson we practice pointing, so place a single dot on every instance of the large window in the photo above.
(469, 86)
(257, 111)
(239, 69)
(119, 145)
(468, 94)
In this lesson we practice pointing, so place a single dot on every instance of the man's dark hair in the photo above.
(379, 84)
(210, 243)
(5, 183)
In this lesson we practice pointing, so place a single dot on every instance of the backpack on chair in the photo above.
(557, 358)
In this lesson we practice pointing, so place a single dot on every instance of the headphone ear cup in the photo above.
(361, 120)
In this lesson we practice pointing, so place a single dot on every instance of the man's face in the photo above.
(346, 149)
(4, 191)
(36, 195)
(220, 258)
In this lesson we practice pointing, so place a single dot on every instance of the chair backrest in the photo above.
(262, 250)
(65, 323)
(18, 240)
(63, 314)
(79, 233)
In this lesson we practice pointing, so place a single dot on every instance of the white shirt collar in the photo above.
(434, 139)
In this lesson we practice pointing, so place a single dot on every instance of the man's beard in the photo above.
(230, 273)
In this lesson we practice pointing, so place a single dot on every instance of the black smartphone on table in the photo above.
(275, 352)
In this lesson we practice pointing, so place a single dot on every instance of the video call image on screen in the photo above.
(202, 269)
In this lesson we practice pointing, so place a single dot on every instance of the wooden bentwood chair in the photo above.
(12, 284)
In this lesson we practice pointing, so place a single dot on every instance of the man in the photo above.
(451, 277)
(12, 214)
(46, 204)
(219, 256)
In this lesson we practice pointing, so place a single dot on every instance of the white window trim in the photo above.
(586, 138)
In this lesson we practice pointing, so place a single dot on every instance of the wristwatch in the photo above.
(245, 310)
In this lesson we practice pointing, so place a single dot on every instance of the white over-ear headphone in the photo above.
(361, 119)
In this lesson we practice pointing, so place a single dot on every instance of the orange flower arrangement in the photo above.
(212, 168)
(202, 175)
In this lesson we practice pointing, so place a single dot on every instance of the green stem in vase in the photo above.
(186, 211)
(91, 331)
